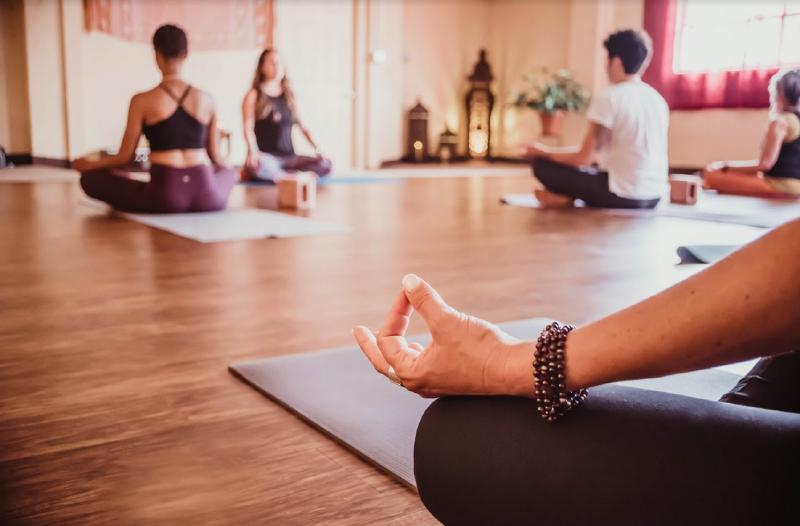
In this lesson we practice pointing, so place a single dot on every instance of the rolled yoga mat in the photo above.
(338, 392)
(705, 253)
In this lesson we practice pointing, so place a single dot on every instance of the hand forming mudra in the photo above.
(466, 355)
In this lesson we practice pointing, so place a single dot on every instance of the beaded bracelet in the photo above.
(552, 398)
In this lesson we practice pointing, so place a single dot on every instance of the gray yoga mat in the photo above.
(705, 253)
(737, 210)
(338, 392)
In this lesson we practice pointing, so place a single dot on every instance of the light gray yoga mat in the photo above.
(738, 210)
(230, 225)
(338, 392)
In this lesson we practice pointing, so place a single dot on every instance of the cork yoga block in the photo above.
(683, 189)
(298, 191)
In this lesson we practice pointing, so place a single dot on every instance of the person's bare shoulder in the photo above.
(204, 99)
(147, 94)
(141, 99)
(790, 124)
(250, 95)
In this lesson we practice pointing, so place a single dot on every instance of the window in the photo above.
(734, 36)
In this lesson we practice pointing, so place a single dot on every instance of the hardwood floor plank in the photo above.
(115, 401)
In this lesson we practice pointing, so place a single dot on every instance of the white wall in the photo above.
(15, 131)
(316, 39)
(101, 73)
(524, 37)
(106, 88)
(698, 137)
(45, 78)
(66, 92)
(442, 40)
(383, 62)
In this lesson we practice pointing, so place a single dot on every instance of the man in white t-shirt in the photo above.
(627, 138)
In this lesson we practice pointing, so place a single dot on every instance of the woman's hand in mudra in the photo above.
(81, 164)
(252, 160)
(467, 355)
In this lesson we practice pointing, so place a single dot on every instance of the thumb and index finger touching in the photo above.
(424, 299)
(393, 348)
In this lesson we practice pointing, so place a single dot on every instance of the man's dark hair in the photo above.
(788, 81)
(171, 41)
(632, 47)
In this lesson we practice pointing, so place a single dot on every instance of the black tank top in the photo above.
(788, 163)
(179, 131)
(274, 132)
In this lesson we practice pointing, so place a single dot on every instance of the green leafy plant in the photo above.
(551, 92)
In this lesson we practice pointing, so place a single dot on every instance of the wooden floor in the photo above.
(115, 403)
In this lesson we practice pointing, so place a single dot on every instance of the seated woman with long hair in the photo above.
(179, 121)
(269, 113)
(776, 173)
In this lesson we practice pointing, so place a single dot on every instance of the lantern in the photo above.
(480, 101)
(448, 142)
(417, 149)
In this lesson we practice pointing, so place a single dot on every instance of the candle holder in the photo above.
(479, 102)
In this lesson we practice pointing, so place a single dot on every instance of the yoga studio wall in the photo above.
(356, 65)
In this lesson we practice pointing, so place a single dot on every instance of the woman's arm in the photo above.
(742, 307)
(571, 155)
(771, 145)
(248, 125)
(127, 149)
(770, 148)
(306, 133)
(213, 140)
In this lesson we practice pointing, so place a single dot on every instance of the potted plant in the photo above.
(551, 95)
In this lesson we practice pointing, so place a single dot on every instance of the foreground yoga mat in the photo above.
(229, 225)
(748, 211)
(338, 392)
(705, 253)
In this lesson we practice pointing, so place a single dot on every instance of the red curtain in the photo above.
(725, 89)
(210, 25)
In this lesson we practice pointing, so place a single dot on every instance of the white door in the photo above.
(315, 39)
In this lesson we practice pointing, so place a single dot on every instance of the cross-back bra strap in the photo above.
(183, 97)
(170, 93)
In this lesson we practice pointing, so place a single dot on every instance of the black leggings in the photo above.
(587, 184)
(773, 383)
(628, 457)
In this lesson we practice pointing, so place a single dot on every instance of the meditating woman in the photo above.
(776, 172)
(630, 456)
(179, 121)
(269, 113)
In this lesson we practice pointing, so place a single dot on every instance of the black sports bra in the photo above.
(179, 131)
(274, 132)
(787, 165)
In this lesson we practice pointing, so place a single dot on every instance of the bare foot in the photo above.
(552, 200)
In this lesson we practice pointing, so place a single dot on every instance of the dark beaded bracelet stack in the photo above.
(552, 398)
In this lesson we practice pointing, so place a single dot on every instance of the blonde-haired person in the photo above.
(269, 113)
(776, 173)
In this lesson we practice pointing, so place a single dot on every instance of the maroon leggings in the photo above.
(200, 188)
